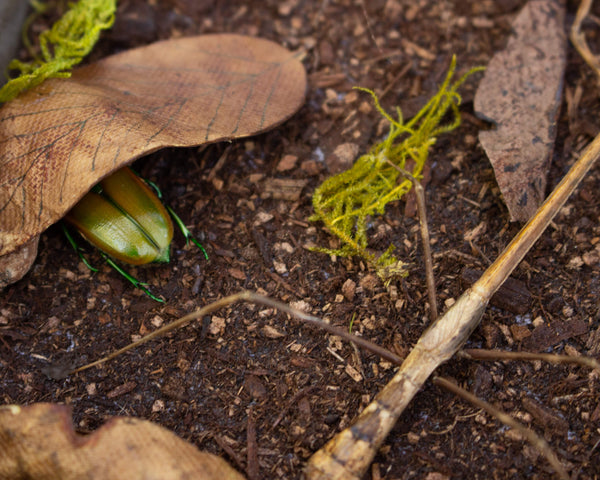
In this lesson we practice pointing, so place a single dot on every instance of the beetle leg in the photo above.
(186, 233)
(152, 184)
(136, 283)
(77, 248)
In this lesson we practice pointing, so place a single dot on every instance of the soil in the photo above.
(246, 366)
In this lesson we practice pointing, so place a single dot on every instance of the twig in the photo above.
(349, 454)
(220, 162)
(398, 76)
(368, 23)
(538, 442)
(424, 228)
(291, 402)
(482, 354)
(247, 297)
(251, 447)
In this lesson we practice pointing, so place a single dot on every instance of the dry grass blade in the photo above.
(349, 454)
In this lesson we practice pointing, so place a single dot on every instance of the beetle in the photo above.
(127, 222)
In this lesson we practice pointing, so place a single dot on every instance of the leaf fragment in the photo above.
(520, 94)
(38, 441)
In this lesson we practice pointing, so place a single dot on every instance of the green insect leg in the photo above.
(77, 248)
(184, 230)
(134, 281)
(186, 233)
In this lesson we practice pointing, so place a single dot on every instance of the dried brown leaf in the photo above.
(521, 94)
(61, 138)
(15, 265)
(38, 441)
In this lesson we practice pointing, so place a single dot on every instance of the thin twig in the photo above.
(397, 77)
(538, 442)
(220, 162)
(291, 402)
(252, 298)
(252, 470)
(229, 451)
(424, 228)
(482, 354)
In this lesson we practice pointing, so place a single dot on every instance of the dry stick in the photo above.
(483, 354)
(349, 454)
(253, 298)
(253, 469)
(220, 162)
(538, 442)
(420, 196)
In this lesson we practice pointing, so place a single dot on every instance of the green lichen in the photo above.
(346, 202)
(69, 40)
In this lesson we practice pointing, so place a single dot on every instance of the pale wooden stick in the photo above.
(348, 455)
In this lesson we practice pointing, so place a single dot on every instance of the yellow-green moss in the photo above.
(345, 202)
(70, 39)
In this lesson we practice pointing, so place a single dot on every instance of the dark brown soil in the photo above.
(208, 379)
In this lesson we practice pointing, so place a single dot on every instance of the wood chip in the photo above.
(342, 158)
(271, 332)
(547, 336)
(121, 389)
(551, 420)
(349, 289)
(283, 188)
(288, 162)
(255, 387)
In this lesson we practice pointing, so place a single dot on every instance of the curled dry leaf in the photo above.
(16, 264)
(521, 94)
(62, 137)
(38, 441)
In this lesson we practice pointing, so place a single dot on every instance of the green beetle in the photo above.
(126, 221)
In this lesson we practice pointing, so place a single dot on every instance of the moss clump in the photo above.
(345, 202)
(70, 39)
